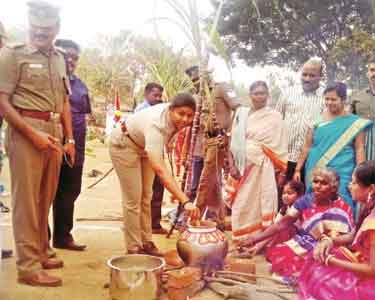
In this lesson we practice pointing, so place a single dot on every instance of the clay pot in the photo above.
(203, 245)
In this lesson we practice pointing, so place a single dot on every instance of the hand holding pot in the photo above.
(192, 211)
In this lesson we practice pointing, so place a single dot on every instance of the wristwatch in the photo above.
(70, 141)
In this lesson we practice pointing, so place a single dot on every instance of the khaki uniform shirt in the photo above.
(363, 104)
(224, 107)
(34, 80)
(150, 128)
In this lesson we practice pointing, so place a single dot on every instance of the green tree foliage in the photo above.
(351, 55)
(167, 67)
(111, 64)
(127, 62)
(287, 32)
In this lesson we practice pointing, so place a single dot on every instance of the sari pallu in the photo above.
(255, 203)
(321, 282)
(333, 147)
(288, 258)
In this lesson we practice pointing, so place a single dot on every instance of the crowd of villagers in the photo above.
(322, 238)
(299, 178)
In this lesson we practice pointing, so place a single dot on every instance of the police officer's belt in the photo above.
(124, 129)
(40, 115)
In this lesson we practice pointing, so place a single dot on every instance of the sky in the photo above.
(83, 20)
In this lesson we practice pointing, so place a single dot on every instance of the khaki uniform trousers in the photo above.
(210, 185)
(34, 178)
(136, 177)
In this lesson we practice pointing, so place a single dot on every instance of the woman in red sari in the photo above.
(346, 273)
(320, 213)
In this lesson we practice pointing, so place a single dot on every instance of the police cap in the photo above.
(43, 14)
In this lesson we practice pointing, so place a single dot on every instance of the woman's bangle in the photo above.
(326, 261)
(183, 204)
(327, 238)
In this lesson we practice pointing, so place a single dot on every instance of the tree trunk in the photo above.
(331, 72)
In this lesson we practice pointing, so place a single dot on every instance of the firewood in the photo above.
(230, 288)
(249, 275)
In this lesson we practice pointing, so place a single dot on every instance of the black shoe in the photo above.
(6, 253)
(69, 245)
(3, 208)
(159, 230)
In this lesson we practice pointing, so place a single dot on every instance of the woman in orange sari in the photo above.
(255, 204)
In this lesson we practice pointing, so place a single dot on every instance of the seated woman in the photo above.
(320, 213)
(341, 273)
(336, 141)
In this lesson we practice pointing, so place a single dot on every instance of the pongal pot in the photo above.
(135, 277)
(203, 245)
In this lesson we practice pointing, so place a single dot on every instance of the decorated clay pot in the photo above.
(203, 245)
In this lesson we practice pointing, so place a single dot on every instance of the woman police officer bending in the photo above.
(137, 153)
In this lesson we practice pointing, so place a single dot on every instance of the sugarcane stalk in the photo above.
(191, 20)
(194, 134)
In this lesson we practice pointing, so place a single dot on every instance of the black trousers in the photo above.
(156, 202)
(291, 169)
(289, 176)
(68, 190)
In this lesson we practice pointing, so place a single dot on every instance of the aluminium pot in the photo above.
(135, 277)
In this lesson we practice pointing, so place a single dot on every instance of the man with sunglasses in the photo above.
(70, 181)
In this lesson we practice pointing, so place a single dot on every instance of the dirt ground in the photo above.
(97, 224)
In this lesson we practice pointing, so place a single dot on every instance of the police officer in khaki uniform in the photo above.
(137, 153)
(34, 100)
(5, 253)
(363, 104)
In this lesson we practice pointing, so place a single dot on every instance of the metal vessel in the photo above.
(135, 277)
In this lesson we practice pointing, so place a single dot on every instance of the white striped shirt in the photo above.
(300, 110)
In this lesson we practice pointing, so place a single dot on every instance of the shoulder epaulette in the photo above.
(60, 50)
(16, 45)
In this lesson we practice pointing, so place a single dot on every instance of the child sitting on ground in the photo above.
(291, 192)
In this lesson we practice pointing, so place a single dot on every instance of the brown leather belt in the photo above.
(124, 129)
(40, 115)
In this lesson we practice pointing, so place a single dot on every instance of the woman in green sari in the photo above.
(336, 141)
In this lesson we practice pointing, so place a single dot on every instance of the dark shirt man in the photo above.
(70, 181)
